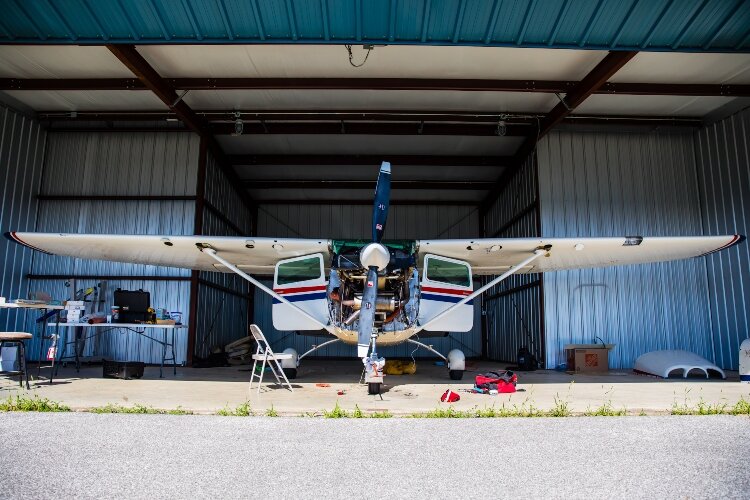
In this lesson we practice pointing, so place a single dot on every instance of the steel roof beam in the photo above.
(422, 84)
(381, 128)
(337, 184)
(134, 61)
(594, 80)
(516, 118)
(415, 160)
(366, 202)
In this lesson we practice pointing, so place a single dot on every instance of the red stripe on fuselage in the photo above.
(284, 291)
(449, 291)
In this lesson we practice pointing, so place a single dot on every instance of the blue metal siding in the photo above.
(514, 320)
(22, 144)
(615, 184)
(119, 164)
(345, 221)
(689, 25)
(222, 316)
(723, 153)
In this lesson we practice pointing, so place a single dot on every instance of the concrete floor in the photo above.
(210, 389)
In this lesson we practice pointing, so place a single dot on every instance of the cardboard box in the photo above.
(588, 360)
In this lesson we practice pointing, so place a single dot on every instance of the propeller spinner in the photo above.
(374, 257)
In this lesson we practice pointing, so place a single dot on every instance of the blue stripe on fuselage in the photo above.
(444, 298)
(301, 297)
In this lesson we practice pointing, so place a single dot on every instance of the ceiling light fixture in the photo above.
(239, 125)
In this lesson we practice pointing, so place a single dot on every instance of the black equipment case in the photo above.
(133, 305)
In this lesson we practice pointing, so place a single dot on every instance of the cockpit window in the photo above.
(452, 273)
(299, 270)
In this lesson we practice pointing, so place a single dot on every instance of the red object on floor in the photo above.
(449, 397)
(504, 382)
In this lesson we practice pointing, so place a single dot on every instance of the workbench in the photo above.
(138, 328)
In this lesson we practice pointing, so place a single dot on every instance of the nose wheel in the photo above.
(373, 388)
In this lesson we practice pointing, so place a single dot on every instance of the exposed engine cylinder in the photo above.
(375, 255)
(381, 303)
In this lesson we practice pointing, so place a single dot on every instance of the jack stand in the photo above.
(374, 368)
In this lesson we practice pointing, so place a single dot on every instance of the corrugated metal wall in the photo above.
(616, 184)
(123, 164)
(723, 157)
(513, 307)
(222, 309)
(22, 144)
(354, 221)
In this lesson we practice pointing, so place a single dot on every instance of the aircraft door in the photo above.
(300, 280)
(445, 282)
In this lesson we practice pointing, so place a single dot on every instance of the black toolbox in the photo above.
(133, 306)
(122, 369)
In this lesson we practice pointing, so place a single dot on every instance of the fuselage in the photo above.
(408, 292)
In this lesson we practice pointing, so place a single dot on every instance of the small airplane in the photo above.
(376, 292)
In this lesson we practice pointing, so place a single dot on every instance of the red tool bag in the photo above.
(502, 382)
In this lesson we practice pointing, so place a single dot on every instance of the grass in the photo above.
(139, 409)
(741, 407)
(338, 412)
(242, 410)
(25, 403)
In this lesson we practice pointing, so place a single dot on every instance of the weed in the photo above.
(179, 411)
(242, 410)
(381, 414)
(337, 412)
(742, 407)
(561, 408)
(357, 413)
(24, 403)
(271, 412)
(449, 412)
(605, 410)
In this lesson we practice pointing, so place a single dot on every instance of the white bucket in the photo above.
(745, 361)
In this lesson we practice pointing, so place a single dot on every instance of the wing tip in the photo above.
(13, 236)
(736, 240)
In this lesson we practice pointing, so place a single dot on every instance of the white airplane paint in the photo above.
(377, 292)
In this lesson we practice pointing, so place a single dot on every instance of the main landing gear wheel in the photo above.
(373, 388)
(456, 374)
(290, 373)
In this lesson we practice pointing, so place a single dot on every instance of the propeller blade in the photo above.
(382, 200)
(367, 313)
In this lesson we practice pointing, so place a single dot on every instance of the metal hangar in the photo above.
(501, 118)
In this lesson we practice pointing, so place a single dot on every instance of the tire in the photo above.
(373, 388)
(456, 374)
(291, 373)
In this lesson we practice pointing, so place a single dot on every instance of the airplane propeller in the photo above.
(374, 256)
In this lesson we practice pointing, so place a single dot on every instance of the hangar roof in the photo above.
(471, 84)
(703, 25)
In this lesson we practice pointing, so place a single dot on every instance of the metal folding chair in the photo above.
(265, 354)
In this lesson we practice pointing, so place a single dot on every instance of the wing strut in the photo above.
(537, 253)
(214, 255)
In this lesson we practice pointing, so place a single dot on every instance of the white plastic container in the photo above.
(745, 361)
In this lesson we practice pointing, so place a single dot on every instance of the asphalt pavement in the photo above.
(164, 456)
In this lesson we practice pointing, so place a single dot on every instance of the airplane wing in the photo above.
(497, 255)
(253, 255)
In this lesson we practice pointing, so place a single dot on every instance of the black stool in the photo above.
(18, 338)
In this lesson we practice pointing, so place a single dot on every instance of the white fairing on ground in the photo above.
(662, 363)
